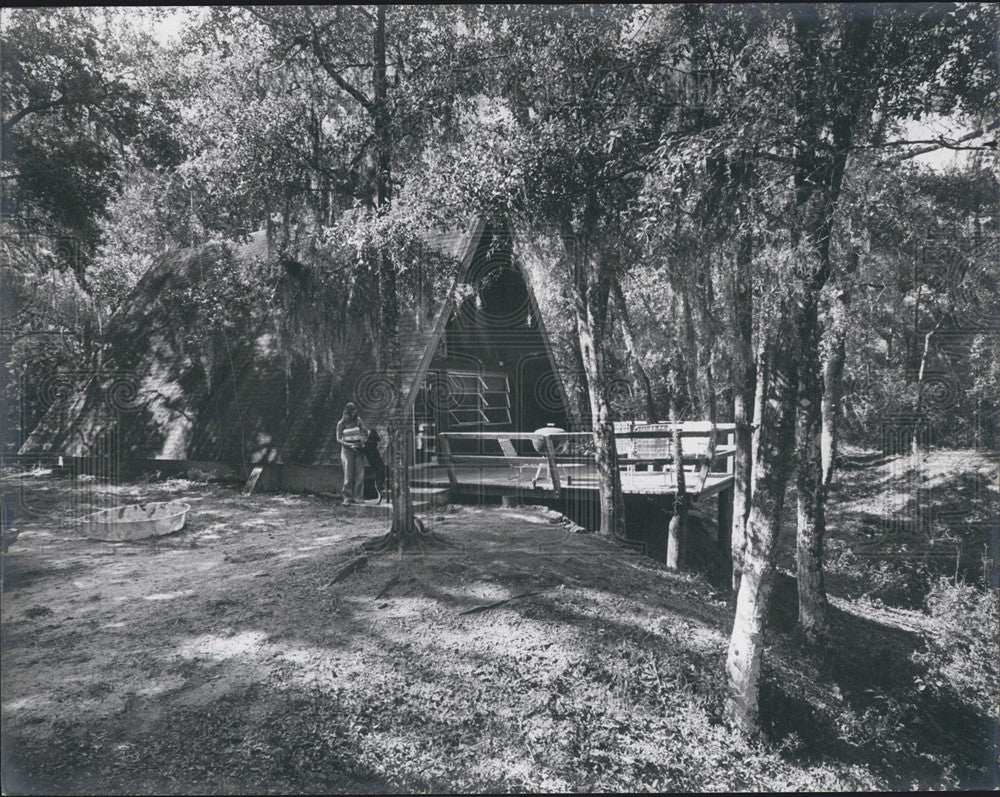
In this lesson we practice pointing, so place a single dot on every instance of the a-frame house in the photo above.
(475, 356)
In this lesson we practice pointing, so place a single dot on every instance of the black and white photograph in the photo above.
(500, 398)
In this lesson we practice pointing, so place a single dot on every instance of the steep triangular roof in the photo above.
(262, 393)
(430, 345)
(422, 347)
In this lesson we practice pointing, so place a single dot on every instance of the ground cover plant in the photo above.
(529, 656)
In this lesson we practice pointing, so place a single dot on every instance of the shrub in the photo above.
(962, 651)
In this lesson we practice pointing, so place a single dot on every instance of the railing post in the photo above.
(445, 453)
(709, 458)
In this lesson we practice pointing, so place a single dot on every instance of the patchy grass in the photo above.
(223, 659)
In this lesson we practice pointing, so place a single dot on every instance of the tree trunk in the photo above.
(609, 486)
(833, 375)
(770, 476)
(629, 340)
(834, 332)
(691, 365)
(582, 389)
(810, 516)
(760, 390)
(744, 378)
(398, 443)
(707, 305)
(677, 532)
(760, 386)
(591, 294)
(915, 440)
(817, 179)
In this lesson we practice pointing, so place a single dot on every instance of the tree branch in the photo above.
(934, 144)
(38, 107)
(329, 68)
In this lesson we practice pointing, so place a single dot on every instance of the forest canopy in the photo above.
(775, 215)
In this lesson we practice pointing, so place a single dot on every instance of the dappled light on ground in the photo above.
(225, 658)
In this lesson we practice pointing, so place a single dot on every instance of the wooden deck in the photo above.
(507, 463)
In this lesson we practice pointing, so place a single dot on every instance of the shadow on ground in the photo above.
(881, 716)
(227, 659)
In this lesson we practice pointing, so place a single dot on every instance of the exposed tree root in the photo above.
(494, 605)
(350, 568)
(388, 585)
(429, 541)
(419, 540)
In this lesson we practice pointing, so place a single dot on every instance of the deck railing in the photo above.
(567, 456)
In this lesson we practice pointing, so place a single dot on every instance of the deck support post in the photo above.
(509, 501)
(724, 528)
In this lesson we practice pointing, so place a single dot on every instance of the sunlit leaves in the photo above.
(81, 104)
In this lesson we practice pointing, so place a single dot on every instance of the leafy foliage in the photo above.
(80, 106)
(962, 652)
(925, 244)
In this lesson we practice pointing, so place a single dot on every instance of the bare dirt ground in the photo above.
(224, 659)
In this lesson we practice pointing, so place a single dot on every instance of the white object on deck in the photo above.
(549, 430)
(543, 445)
(137, 521)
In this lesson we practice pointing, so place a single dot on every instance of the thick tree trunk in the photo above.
(399, 444)
(811, 498)
(677, 531)
(760, 386)
(832, 352)
(744, 385)
(630, 348)
(591, 295)
(770, 477)
(742, 476)
(582, 389)
(760, 390)
(609, 487)
(810, 526)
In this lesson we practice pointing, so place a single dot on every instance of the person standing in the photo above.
(351, 434)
